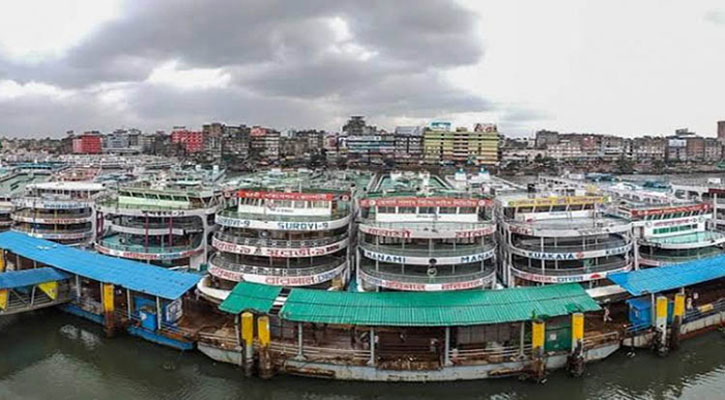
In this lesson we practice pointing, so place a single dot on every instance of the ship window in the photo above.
(447, 210)
(406, 210)
(299, 204)
(386, 210)
(525, 209)
(165, 197)
(320, 204)
(426, 210)
(575, 207)
(589, 206)
(558, 208)
(467, 210)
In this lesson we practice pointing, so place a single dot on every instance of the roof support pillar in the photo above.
(158, 313)
(371, 362)
(129, 304)
(78, 286)
(300, 353)
(447, 348)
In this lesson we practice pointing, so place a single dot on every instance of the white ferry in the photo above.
(417, 233)
(63, 212)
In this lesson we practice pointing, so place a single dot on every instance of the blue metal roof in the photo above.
(660, 279)
(30, 277)
(133, 275)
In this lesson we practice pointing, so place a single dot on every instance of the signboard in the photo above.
(278, 252)
(60, 221)
(425, 287)
(55, 205)
(424, 202)
(670, 210)
(566, 278)
(556, 201)
(440, 126)
(147, 256)
(254, 194)
(281, 225)
(438, 234)
(425, 260)
(277, 280)
(174, 311)
(578, 255)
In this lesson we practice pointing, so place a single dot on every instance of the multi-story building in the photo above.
(676, 149)
(546, 138)
(564, 150)
(64, 212)
(408, 145)
(479, 147)
(264, 143)
(649, 148)
(166, 226)
(213, 137)
(721, 131)
(560, 238)
(191, 141)
(695, 148)
(712, 150)
(88, 143)
(417, 233)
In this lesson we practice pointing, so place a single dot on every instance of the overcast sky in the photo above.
(619, 67)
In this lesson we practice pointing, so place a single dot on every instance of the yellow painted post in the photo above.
(661, 324)
(4, 296)
(265, 361)
(2, 260)
(538, 334)
(577, 330)
(538, 338)
(248, 342)
(263, 331)
(678, 313)
(108, 308)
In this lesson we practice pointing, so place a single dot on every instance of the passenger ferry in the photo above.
(166, 225)
(671, 233)
(293, 231)
(561, 238)
(64, 212)
(417, 233)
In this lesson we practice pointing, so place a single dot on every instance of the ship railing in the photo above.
(702, 253)
(462, 275)
(490, 353)
(275, 271)
(635, 329)
(569, 271)
(317, 352)
(443, 226)
(196, 224)
(59, 230)
(225, 341)
(462, 250)
(139, 248)
(705, 310)
(598, 339)
(335, 215)
(535, 245)
(278, 243)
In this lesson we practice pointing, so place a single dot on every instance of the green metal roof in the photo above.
(250, 296)
(436, 308)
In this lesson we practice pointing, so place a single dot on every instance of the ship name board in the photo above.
(424, 202)
(556, 201)
(146, 256)
(407, 233)
(278, 252)
(274, 279)
(424, 287)
(565, 279)
(670, 210)
(255, 194)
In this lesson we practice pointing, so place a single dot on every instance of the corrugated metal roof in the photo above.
(655, 280)
(29, 277)
(475, 307)
(250, 296)
(133, 275)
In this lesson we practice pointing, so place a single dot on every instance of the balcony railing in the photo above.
(227, 237)
(338, 214)
(112, 243)
(605, 267)
(328, 264)
(535, 245)
(410, 276)
(413, 251)
(702, 253)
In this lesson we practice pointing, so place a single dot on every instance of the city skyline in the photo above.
(566, 66)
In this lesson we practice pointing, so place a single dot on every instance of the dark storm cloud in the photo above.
(284, 57)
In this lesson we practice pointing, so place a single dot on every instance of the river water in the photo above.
(51, 355)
